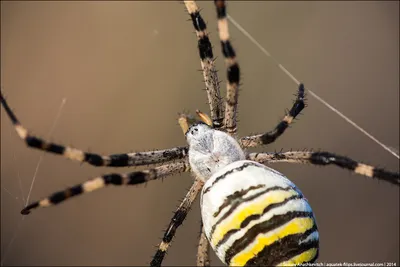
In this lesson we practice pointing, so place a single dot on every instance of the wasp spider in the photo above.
(251, 214)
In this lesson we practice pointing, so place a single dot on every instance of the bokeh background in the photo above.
(127, 68)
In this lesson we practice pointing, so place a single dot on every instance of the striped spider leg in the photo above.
(233, 71)
(207, 64)
(271, 136)
(116, 160)
(327, 158)
(176, 221)
(132, 178)
(228, 115)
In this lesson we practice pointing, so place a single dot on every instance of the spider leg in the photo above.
(326, 158)
(132, 178)
(233, 72)
(271, 136)
(203, 250)
(176, 221)
(207, 64)
(116, 160)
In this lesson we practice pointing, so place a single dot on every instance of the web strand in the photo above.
(7, 248)
(340, 114)
(41, 157)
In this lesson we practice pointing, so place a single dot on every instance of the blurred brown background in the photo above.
(127, 69)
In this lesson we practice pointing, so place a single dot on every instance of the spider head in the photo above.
(197, 131)
(209, 149)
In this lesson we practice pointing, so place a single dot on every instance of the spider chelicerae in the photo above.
(223, 117)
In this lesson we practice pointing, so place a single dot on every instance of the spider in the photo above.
(222, 119)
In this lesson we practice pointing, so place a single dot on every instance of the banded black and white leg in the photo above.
(207, 64)
(116, 160)
(132, 178)
(327, 158)
(233, 71)
(271, 136)
(176, 221)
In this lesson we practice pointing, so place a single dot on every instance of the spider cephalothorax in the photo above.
(210, 150)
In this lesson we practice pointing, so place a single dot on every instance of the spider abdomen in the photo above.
(254, 215)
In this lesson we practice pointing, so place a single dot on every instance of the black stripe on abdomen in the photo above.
(264, 227)
(285, 249)
(256, 217)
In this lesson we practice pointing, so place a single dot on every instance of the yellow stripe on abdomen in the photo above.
(306, 256)
(295, 226)
(254, 207)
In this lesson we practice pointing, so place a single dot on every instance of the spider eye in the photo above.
(194, 131)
